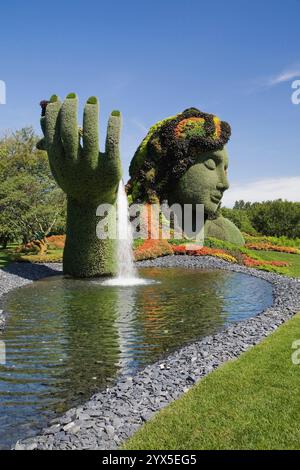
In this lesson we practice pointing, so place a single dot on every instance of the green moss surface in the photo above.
(87, 176)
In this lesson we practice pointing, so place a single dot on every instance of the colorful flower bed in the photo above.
(149, 249)
(227, 255)
(152, 249)
(278, 241)
(195, 250)
(265, 246)
(254, 263)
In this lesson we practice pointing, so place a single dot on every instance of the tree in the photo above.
(271, 218)
(242, 205)
(31, 204)
(240, 218)
(276, 218)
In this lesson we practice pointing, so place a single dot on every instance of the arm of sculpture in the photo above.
(87, 176)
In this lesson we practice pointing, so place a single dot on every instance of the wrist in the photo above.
(85, 255)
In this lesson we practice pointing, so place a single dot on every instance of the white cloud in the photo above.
(264, 190)
(285, 76)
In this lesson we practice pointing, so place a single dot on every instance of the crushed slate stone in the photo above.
(114, 414)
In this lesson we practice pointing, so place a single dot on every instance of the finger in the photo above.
(52, 127)
(91, 131)
(69, 126)
(53, 142)
(112, 162)
(112, 145)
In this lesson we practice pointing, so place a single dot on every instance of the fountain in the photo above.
(127, 273)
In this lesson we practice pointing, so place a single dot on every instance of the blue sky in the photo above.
(152, 59)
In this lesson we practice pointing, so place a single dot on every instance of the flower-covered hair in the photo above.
(170, 148)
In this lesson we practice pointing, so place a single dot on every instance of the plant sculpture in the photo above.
(183, 159)
(87, 176)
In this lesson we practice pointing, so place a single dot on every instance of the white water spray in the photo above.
(126, 268)
(127, 273)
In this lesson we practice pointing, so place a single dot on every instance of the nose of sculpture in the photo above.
(223, 183)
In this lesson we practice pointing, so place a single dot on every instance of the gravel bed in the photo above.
(114, 414)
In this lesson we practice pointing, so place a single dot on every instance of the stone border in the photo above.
(113, 415)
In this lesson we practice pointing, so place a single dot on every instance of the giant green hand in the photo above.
(87, 176)
(81, 171)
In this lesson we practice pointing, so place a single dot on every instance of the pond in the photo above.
(66, 339)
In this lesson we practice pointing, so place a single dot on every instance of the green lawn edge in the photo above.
(293, 270)
(252, 402)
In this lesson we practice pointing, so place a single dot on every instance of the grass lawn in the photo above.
(250, 403)
(294, 260)
(54, 255)
(59, 252)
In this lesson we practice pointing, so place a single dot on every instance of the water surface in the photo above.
(66, 339)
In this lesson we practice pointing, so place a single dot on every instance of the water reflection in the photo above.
(65, 339)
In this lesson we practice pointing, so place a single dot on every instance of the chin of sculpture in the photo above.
(183, 159)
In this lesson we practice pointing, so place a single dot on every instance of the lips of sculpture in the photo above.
(216, 197)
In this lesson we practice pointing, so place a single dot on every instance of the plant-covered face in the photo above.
(204, 182)
(174, 151)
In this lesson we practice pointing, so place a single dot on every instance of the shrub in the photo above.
(216, 243)
(177, 241)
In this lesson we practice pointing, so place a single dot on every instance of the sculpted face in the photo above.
(204, 182)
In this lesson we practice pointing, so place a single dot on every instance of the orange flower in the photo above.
(252, 263)
(186, 124)
(265, 246)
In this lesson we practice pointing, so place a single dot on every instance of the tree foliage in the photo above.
(271, 218)
(240, 218)
(31, 204)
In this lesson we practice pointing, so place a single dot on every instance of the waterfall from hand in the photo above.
(126, 274)
(126, 269)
